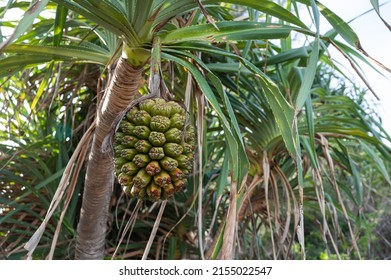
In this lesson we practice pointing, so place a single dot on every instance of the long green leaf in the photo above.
(105, 14)
(269, 8)
(74, 53)
(59, 23)
(219, 244)
(352, 53)
(309, 76)
(143, 9)
(229, 67)
(205, 88)
(175, 8)
(340, 26)
(4, 9)
(130, 8)
(26, 22)
(229, 30)
(223, 177)
(310, 152)
(285, 56)
(349, 162)
(240, 166)
(310, 70)
(283, 112)
(112, 15)
(45, 81)
(343, 29)
(379, 162)
(311, 128)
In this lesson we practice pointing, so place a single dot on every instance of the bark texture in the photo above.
(92, 227)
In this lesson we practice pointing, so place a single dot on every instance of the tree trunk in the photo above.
(92, 227)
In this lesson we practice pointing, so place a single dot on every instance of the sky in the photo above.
(375, 38)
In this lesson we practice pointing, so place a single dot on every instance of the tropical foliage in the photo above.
(291, 161)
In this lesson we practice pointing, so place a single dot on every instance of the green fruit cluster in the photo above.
(153, 150)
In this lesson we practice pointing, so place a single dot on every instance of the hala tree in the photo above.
(243, 84)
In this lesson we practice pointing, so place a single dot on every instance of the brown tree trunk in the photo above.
(92, 227)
